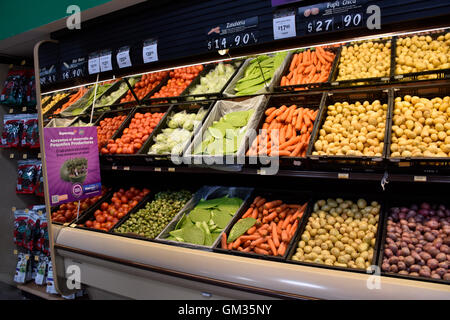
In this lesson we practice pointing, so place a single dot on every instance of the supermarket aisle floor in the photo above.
(8, 292)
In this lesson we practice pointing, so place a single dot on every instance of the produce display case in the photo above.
(288, 197)
(302, 227)
(310, 86)
(206, 193)
(362, 81)
(405, 201)
(132, 266)
(364, 163)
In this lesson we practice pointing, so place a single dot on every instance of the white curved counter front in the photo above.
(147, 270)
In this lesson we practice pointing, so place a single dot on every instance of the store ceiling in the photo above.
(21, 45)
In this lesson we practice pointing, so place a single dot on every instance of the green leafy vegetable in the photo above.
(240, 228)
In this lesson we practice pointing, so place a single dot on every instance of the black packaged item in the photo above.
(39, 181)
(32, 229)
(14, 88)
(20, 227)
(12, 130)
(26, 176)
(30, 132)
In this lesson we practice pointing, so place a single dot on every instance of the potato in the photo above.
(367, 60)
(419, 127)
(422, 54)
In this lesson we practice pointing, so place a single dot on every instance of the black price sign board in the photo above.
(233, 34)
(75, 68)
(47, 75)
(332, 16)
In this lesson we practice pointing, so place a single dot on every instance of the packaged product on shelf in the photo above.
(21, 268)
(286, 132)
(12, 130)
(32, 230)
(26, 176)
(334, 238)
(150, 221)
(42, 264)
(30, 89)
(50, 281)
(30, 132)
(20, 227)
(266, 228)
(39, 191)
(424, 249)
(13, 92)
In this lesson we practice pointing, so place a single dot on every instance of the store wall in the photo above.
(9, 199)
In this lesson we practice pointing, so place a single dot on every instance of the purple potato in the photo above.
(441, 271)
(404, 272)
(385, 266)
(393, 260)
(446, 276)
(425, 272)
(435, 276)
(393, 268)
(401, 265)
(413, 274)
(441, 257)
(429, 236)
(409, 261)
(405, 251)
(432, 264)
(443, 264)
(445, 249)
(414, 268)
(388, 253)
(425, 255)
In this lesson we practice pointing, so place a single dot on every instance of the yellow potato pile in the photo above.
(422, 53)
(353, 130)
(421, 127)
(367, 60)
(56, 98)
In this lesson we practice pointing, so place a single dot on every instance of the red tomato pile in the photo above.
(179, 80)
(107, 128)
(147, 83)
(133, 137)
(67, 212)
(121, 203)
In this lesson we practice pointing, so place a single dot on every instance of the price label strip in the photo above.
(105, 61)
(47, 75)
(233, 34)
(332, 16)
(123, 57)
(75, 68)
(284, 25)
(150, 51)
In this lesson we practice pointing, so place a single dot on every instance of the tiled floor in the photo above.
(8, 292)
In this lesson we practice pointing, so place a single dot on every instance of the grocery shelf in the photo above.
(39, 291)
(109, 253)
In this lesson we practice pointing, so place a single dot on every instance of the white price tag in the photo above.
(284, 27)
(94, 65)
(150, 53)
(343, 176)
(105, 63)
(420, 179)
(123, 59)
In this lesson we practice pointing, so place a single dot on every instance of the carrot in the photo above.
(230, 246)
(236, 243)
(261, 251)
(319, 51)
(283, 116)
(263, 232)
(283, 135)
(251, 230)
(290, 142)
(314, 57)
(286, 222)
(288, 131)
(275, 114)
(260, 202)
(307, 119)
(264, 246)
(280, 153)
(269, 111)
(272, 247)
(293, 62)
(289, 77)
(290, 114)
(296, 151)
(240, 249)
(276, 241)
(265, 226)
(283, 81)
(250, 237)
(299, 123)
(281, 249)
(224, 240)
(270, 217)
(258, 241)
(284, 236)
(294, 227)
(247, 249)
(255, 213)
(273, 204)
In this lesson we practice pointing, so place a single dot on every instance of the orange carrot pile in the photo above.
(309, 66)
(286, 132)
(275, 226)
(72, 100)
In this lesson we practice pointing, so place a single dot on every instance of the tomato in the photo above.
(89, 224)
(100, 219)
(104, 206)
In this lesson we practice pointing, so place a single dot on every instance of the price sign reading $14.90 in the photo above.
(233, 34)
